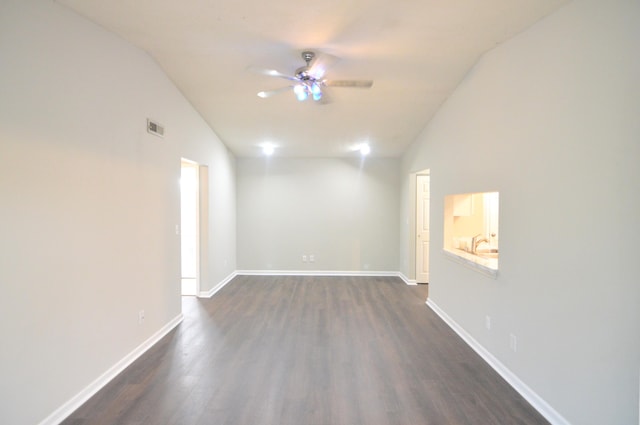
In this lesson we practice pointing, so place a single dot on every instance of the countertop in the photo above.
(487, 266)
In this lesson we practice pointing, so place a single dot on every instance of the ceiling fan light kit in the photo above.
(304, 90)
(309, 81)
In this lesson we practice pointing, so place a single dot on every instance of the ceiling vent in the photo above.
(155, 128)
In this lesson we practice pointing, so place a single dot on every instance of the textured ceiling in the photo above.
(415, 51)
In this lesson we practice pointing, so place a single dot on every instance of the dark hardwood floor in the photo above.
(297, 350)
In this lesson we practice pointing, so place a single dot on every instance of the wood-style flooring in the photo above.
(300, 350)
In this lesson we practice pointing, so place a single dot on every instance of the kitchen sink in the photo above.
(487, 252)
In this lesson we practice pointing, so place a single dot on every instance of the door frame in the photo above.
(418, 240)
(201, 223)
(410, 263)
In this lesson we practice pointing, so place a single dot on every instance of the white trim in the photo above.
(79, 399)
(534, 399)
(219, 286)
(315, 273)
(407, 280)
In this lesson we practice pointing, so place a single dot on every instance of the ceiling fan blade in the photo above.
(265, 94)
(321, 63)
(364, 84)
(272, 73)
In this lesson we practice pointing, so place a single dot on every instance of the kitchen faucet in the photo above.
(477, 240)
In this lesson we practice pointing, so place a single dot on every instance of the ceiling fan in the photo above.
(309, 80)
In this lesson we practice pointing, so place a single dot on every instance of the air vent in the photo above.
(155, 128)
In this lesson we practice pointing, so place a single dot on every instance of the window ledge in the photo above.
(486, 266)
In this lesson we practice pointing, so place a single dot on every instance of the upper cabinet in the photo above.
(463, 205)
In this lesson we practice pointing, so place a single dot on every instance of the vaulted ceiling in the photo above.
(415, 51)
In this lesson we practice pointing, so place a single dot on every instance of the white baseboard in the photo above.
(407, 280)
(534, 399)
(315, 273)
(219, 286)
(79, 399)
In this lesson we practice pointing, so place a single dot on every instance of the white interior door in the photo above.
(422, 228)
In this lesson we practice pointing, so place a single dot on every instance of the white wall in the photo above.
(550, 120)
(88, 203)
(343, 211)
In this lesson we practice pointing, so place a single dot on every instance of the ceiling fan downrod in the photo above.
(308, 56)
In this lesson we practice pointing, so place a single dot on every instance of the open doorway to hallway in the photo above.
(190, 226)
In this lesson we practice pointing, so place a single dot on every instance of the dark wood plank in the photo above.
(309, 350)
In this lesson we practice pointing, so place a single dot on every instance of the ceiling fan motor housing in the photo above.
(309, 85)
(302, 73)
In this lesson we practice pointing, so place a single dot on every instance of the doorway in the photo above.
(189, 227)
(422, 227)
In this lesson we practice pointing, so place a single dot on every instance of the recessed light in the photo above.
(268, 150)
(365, 149)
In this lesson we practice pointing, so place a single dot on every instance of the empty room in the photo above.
(356, 212)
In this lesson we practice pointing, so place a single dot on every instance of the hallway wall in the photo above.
(550, 120)
(89, 203)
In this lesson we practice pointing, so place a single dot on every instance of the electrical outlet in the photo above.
(304, 258)
(140, 317)
(487, 322)
(513, 342)
(312, 258)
